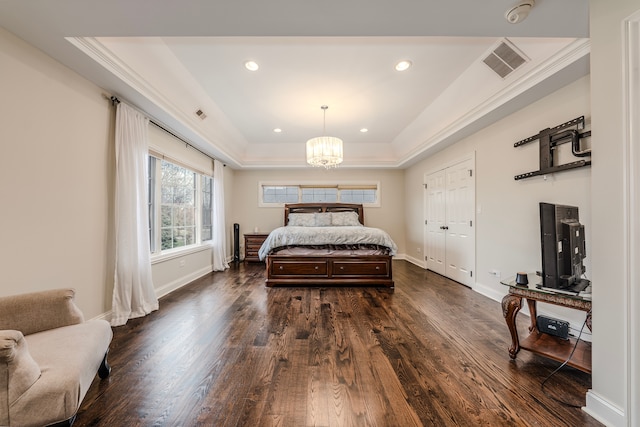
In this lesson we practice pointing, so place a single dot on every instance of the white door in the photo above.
(460, 208)
(435, 222)
(449, 232)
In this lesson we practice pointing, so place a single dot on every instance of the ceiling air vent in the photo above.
(201, 114)
(504, 59)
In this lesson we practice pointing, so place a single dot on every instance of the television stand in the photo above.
(540, 343)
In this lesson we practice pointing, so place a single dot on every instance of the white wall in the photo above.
(388, 216)
(56, 179)
(610, 396)
(507, 217)
(56, 185)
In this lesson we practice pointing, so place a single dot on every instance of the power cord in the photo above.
(561, 366)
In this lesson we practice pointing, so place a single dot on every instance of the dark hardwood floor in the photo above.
(226, 351)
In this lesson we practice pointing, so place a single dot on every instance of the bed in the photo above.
(327, 244)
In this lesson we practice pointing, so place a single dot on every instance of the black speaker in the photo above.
(555, 327)
(236, 242)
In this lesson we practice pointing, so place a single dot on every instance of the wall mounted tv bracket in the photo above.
(550, 138)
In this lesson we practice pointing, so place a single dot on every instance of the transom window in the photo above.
(277, 194)
(319, 194)
(358, 195)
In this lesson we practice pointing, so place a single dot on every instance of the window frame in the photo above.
(202, 192)
(339, 185)
(155, 206)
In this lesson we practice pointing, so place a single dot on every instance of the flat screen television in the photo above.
(563, 248)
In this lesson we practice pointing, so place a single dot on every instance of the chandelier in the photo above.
(323, 150)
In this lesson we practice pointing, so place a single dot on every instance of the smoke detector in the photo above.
(519, 12)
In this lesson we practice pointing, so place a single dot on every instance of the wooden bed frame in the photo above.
(326, 270)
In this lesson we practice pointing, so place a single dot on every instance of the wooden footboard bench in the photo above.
(371, 270)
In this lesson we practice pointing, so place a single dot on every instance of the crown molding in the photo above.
(102, 55)
(573, 52)
(562, 59)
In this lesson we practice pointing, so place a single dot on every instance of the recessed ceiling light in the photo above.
(403, 65)
(277, 130)
(251, 65)
(364, 130)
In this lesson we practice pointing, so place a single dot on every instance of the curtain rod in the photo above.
(115, 101)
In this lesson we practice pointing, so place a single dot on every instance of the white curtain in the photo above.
(219, 233)
(133, 292)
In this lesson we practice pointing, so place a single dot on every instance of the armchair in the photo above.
(49, 357)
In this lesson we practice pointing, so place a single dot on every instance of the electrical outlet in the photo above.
(182, 263)
(419, 250)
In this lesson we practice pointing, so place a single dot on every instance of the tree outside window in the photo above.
(177, 207)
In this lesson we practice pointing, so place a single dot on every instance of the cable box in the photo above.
(555, 327)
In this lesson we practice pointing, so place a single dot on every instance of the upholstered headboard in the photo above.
(323, 207)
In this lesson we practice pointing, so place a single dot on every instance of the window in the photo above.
(362, 194)
(179, 206)
(277, 194)
(319, 194)
(151, 191)
(280, 194)
(207, 205)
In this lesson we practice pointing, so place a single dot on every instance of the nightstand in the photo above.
(252, 244)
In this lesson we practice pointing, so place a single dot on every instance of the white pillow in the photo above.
(341, 219)
(323, 219)
(302, 219)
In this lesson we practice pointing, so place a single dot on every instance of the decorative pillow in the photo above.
(323, 219)
(302, 219)
(341, 219)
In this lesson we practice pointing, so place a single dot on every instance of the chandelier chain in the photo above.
(324, 119)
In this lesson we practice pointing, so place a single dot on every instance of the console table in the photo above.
(538, 342)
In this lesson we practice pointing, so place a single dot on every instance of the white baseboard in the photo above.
(400, 256)
(604, 411)
(104, 316)
(184, 280)
(415, 261)
(489, 292)
(168, 288)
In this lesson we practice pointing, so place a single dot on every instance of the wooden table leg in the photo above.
(511, 305)
(533, 314)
